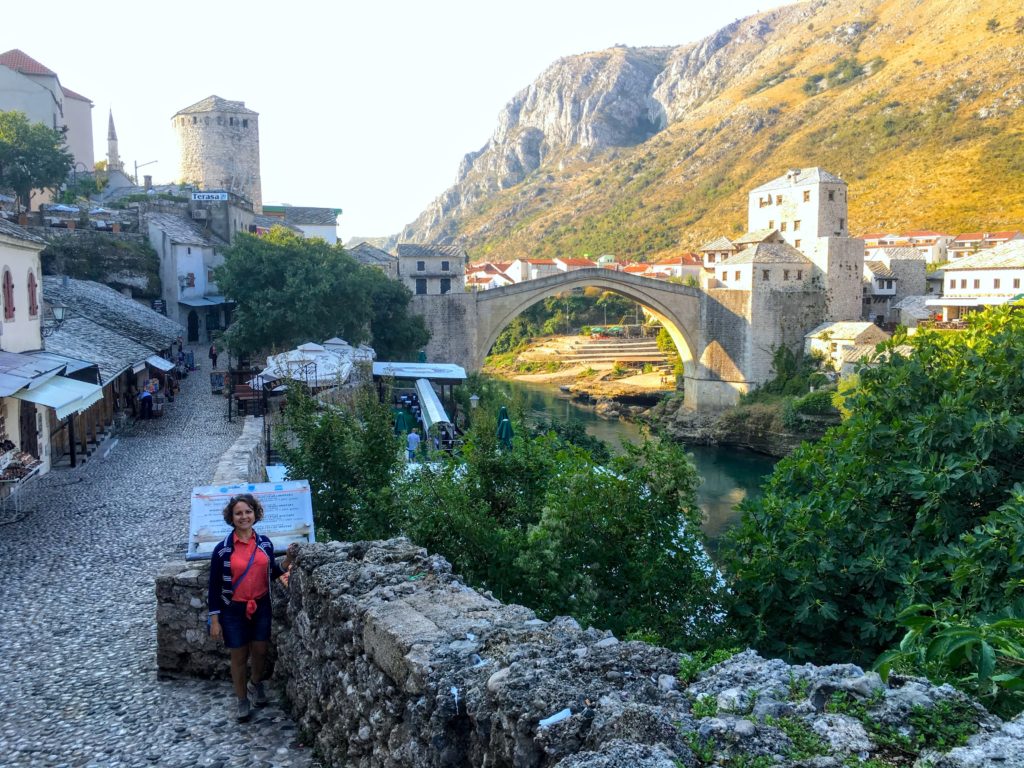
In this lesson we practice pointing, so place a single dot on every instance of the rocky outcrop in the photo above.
(586, 104)
(579, 106)
(389, 659)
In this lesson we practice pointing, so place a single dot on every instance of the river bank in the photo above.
(616, 391)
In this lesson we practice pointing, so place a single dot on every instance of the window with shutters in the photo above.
(8, 290)
(33, 295)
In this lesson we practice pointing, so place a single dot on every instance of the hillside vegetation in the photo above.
(917, 104)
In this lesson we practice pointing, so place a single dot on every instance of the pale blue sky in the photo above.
(368, 107)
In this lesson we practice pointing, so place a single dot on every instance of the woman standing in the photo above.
(241, 570)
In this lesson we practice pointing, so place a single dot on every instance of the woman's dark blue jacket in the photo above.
(219, 596)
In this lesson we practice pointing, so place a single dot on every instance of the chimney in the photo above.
(147, 182)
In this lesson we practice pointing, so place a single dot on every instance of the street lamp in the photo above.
(474, 401)
(141, 165)
(53, 319)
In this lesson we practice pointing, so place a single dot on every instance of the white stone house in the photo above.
(970, 243)
(717, 251)
(763, 265)
(521, 270)
(432, 269)
(312, 222)
(371, 256)
(30, 87)
(802, 204)
(879, 290)
(188, 258)
(679, 267)
(571, 265)
(832, 341)
(993, 276)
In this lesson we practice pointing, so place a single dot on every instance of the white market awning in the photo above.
(159, 363)
(65, 396)
(431, 410)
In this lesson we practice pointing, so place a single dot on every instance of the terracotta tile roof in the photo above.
(989, 236)
(73, 95)
(578, 262)
(682, 259)
(636, 268)
(21, 62)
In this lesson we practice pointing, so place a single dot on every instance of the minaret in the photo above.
(113, 160)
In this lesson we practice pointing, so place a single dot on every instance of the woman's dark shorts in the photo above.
(240, 631)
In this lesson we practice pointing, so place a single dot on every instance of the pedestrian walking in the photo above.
(213, 356)
(146, 403)
(241, 569)
(412, 443)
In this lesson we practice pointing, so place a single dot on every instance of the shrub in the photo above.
(883, 512)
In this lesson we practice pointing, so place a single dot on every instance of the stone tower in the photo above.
(113, 158)
(219, 141)
(808, 207)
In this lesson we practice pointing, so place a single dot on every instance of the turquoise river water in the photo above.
(729, 475)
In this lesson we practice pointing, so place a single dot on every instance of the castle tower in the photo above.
(113, 158)
(219, 142)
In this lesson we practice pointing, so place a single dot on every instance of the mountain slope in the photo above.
(643, 152)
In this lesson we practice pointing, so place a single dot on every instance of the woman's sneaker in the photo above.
(258, 694)
(243, 711)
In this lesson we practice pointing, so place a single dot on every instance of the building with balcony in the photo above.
(991, 277)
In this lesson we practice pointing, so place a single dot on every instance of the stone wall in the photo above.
(389, 660)
(246, 460)
(183, 645)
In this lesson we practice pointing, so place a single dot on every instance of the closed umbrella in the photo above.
(505, 434)
(502, 414)
(402, 421)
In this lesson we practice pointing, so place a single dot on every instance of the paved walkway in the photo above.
(78, 684)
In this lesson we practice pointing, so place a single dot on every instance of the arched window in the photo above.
(8, 295)
(33, 295)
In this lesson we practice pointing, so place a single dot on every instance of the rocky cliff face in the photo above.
(622, 150)
(579, 107)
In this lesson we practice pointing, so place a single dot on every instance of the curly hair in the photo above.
(249, 499)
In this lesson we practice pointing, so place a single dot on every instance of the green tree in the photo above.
(882, 513)
(32, 156)
(350, 455)
(289, 290)
(546, 526)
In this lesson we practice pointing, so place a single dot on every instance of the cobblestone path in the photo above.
(78, 683)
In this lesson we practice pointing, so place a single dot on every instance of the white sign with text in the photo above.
(287, 515)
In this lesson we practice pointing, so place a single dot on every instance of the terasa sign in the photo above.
(207, 196)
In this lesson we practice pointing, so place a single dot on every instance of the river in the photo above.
(729, 474)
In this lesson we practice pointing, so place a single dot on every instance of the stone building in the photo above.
(432, 269)
(808, 208)
(30, 87)
(310, 221)
(219, 143)
(370, 256)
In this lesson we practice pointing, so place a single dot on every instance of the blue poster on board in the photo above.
(287, 515)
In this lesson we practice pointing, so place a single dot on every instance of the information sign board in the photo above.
(287, 515)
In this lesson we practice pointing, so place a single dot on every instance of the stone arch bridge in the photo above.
(723, 353)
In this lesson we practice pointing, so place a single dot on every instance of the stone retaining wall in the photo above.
(246, 461)
(389, 660)
(183, 646)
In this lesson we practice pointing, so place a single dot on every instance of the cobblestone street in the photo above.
(77, 617)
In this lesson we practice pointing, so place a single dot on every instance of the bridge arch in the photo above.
(677, 307)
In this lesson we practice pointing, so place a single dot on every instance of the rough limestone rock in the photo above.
(390, 660)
